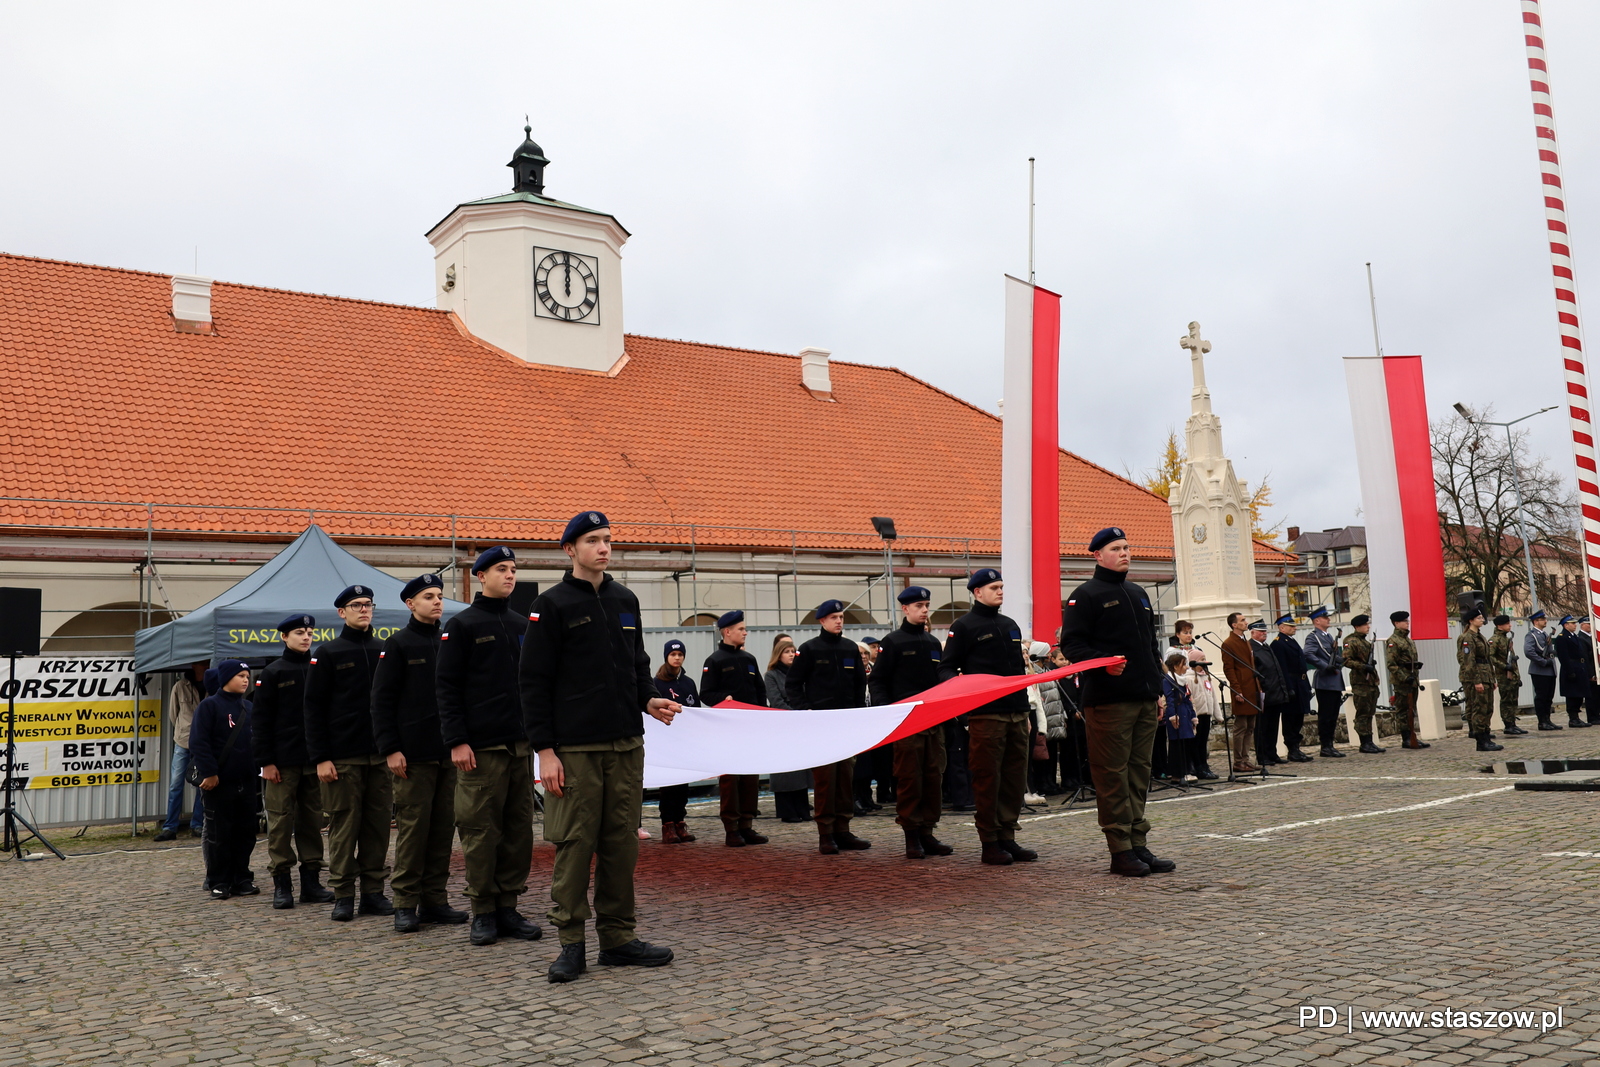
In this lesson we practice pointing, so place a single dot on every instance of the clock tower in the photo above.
(537, 277)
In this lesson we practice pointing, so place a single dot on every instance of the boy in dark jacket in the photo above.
(827, 672)
(405, 724)
(219, 745)
(586, 687)
(292, 793)
(730, 671)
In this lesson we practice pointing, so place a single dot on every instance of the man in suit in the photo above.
(1239, 667)
(1570, 650)
(1292, 662)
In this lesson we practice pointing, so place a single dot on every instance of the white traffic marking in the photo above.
(1260, 835)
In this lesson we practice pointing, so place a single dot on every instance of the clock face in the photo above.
(566, 286)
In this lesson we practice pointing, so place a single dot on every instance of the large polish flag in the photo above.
(1030, 462)
(1405, 552)
(735, 738)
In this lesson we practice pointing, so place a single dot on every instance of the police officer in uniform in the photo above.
(1477, 678)
(1508, 677)
(405, 723)
(908, 664)
(1327, 679)
(1400, 658)
(480, 721)
(292, 793)
(1292, 661)
(1542, 668)
(999, 733)
(730, 671)
(1359, 660)
(827, 672)
(1122, 704)
(586, 686)
(355, 781)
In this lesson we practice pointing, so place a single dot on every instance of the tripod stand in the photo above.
(1225, 708)
(10, 837)
(1085, 790)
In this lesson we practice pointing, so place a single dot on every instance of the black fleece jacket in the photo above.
(1111, 616)
(278, 717)
(405, 713)
(339, 697)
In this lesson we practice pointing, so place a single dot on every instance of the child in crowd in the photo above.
(1179, 716)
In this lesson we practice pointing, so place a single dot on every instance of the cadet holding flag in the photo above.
(1359, 659)
(908, 664)
(292, 793)
(827, 672)
(730, 671)
(586, 687)
(405, 723)
(1508, 678)
(480, 721)
(1400, 657)
(355, 781)
(1000, 736)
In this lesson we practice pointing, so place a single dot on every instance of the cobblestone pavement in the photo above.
(1406, 881)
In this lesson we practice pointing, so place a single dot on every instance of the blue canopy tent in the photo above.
(243, 622)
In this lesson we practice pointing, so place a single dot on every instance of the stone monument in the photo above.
(1212, 548)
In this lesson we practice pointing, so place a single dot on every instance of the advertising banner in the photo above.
(75, 723)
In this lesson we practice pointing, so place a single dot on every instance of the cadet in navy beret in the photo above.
(730, 618)
(981, 577)
(352, 592)
(912, 594)
(419, 583)
(583, 523)
(1360, 620)
(732, 672)
(829, 607)
(827, 672)
(297, 622)
(490, 556)
(1105, 537)
(908, 664)
(289, 775)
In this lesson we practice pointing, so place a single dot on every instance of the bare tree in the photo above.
(1472, 469)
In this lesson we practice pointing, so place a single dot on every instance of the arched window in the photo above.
(107, 628)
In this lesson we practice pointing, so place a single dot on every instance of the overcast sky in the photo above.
(854, 176)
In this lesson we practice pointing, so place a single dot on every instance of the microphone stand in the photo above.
(1085, 790)
(1234, 775)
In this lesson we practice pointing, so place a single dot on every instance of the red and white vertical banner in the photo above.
(1030, 469)
(1579, 415)
(1394, 456)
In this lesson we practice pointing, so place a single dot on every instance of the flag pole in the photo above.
(1030, 220)
(1579, 417)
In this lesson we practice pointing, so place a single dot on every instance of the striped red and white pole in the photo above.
(1579, 415)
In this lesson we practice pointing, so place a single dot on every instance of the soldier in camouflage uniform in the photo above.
(1477, 678)
(1400, 657)
(1502, 652)
(1363, 679)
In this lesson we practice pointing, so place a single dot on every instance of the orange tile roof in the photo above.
(302, 401)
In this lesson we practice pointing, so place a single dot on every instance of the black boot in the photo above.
(512, 924)
(1576, 723)
(1156, 864)
(485, 931)
(1018, 853)
(636, 953)
(1128, 864)
(1367, 745)
(995, 856)
(825, 845)
(1330, 752)
(282, 892)
(375, 904)
(1410, 741)
(1486, 745)
(1512, 728)
(406, 921)
(932, 845)
(569, 965)
(1296, 756)
(849, 842)
(312, 891)
(1546, 724)
(442, 915)
(344, 909)
(751, 837)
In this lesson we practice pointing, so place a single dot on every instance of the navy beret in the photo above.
(229, 669)
(673, 646)
(296, 622)
(981, 577)
(582, 524)
(829, 607)
(1399, 616)
(1259, 624)
(1501, 620)
(1319, 613)
(912, 594)
(730, 618)
(419, 583)
(1471, 613)
(353, 592)
(1105, 537)
(490, 556)
(1537, 615)
(1360, 620)
(1285, 620)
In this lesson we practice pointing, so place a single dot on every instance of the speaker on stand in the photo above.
(20, 610)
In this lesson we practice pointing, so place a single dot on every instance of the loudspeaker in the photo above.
(1469, 600)
(19, 621)
(523, 594)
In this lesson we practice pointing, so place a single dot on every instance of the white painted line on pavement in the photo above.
(1260, 835)
(310, 1026)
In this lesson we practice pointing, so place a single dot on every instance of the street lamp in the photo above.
(885, 529)
(1516, 482)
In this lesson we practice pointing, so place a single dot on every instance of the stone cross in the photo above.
(1197, 350)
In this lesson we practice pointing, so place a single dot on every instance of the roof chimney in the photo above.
(814, 372)
(191, 303)
(1294, 534)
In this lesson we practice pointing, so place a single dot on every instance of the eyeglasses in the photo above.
(359, 605)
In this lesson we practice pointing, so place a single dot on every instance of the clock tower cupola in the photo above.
(536, 277)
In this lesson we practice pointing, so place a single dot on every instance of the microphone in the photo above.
(1206, 634)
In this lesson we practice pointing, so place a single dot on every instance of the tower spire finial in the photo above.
(528, 163)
